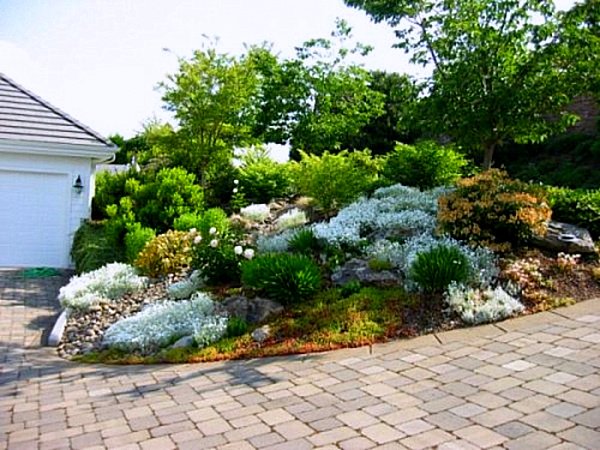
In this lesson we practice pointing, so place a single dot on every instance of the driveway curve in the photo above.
(527, 383)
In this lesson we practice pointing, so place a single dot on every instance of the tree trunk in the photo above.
(488, 154)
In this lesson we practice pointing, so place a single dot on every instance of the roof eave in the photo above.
(100, 153)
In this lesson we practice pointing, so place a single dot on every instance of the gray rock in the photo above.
(261, 334)
(252, 310)
(358, 270)
(567, 238)
(186, 341)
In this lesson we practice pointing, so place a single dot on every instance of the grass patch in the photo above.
(328, 321)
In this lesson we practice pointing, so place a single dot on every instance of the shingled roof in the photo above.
(26, 117)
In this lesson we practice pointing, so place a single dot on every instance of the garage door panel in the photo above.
(34, 212)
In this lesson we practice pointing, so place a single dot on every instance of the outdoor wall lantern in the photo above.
(78, 185)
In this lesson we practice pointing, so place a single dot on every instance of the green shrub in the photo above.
(236, 326)
(378, 265)
(350, 288)
(261, 178)
(203, 221)
(110, 188)
(152, 199)
(284, 277)
(171, 194)
(577, 206)
(425, 165)
(491, 209)
(93, 247)
(167, 253)
(335, 180)
(135, 240)
(305, 242)
(435, 269)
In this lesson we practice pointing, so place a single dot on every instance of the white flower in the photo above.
(238, 249)
(212, 230)
(236, 182)
(197, 239)
(235, 190)
(193, 230)
(248, 253)
(214, 243)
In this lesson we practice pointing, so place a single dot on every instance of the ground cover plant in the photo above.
(440, 281)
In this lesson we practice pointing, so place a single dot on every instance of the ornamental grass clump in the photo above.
(284, 277)
(435, 269)
(160, 324)
(491, 209)
(483, 267)
(305, 242)
(477, 306)
(109, 282)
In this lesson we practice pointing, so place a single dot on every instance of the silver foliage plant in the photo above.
(185, 288)
(159, 324)
(275, 243)
(109, 282)
(397, 207)
(476, 306)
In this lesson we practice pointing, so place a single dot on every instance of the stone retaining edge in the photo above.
(58, 329)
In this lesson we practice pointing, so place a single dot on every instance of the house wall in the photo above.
(79, 204)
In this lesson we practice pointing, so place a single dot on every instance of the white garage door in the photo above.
(34, 218)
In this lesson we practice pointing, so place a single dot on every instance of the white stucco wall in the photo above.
(79, 206)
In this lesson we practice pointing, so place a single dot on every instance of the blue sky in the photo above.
(100, 60)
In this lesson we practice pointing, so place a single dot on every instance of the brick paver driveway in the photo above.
(529, 383)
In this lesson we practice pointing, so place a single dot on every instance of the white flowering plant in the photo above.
(109, 282)
(218, 256)
(256, 212)
(160, 324)
(477, 306)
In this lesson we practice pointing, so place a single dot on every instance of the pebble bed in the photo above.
(84, 329)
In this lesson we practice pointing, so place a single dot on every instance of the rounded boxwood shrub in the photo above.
(493, 210)
(424, 165)
(284, 277)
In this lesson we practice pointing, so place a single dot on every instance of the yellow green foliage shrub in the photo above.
(167, 253)
(493, 210)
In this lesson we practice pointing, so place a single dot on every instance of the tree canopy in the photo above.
(497, 72)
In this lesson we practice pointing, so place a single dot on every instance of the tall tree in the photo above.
(496, 72)
(319, 100)
(398, 122)
(213, 97)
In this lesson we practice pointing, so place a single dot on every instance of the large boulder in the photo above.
(359, 270)
(567, 238)
(252, 310)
